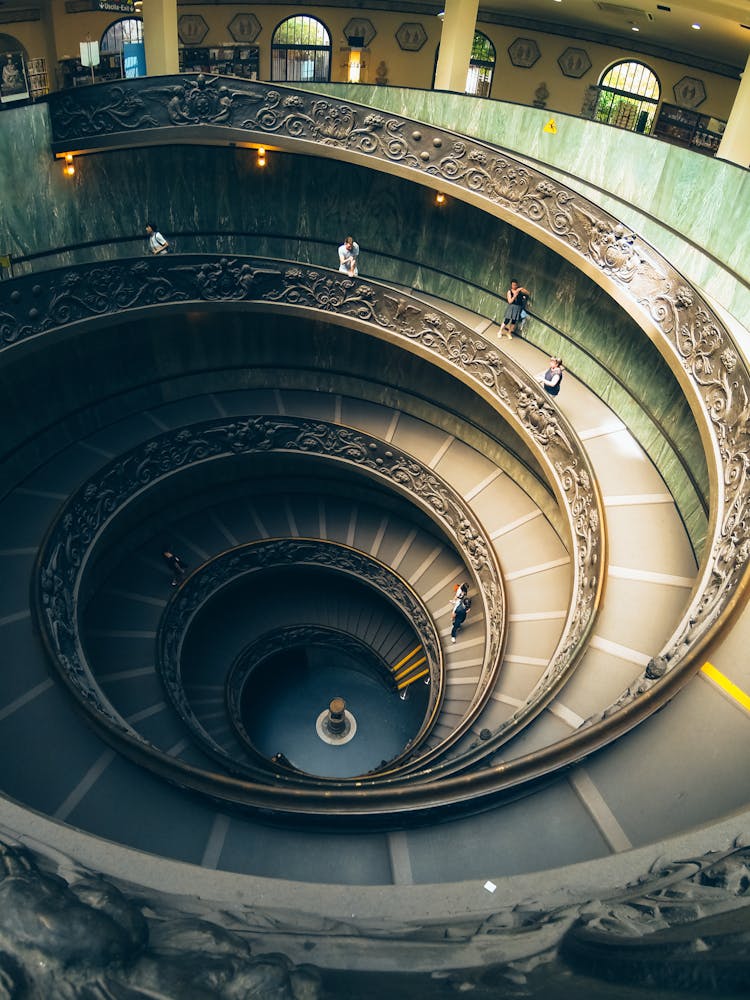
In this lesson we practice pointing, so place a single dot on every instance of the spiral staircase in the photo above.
(330, 499)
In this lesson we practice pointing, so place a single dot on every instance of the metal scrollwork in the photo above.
(72, 542)
(690, 334)
(67, 296)
(72, 934)
(71, 931)
(206, 581)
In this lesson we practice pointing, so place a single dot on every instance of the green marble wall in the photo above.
(676, 199)
(300, 207)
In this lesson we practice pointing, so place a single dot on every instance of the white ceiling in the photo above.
(720, 39)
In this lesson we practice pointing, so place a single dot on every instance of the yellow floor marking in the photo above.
(726, 685)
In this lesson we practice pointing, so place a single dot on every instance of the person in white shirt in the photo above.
(348, 254)
(156, 242)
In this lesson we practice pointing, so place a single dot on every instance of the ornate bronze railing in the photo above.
(684, 327)
(100, 293)
(69, 552)
(221, 571)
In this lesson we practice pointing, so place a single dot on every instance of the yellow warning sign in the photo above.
(550, 127)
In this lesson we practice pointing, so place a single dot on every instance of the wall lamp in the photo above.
(69, 169)
(439, 198)
(261, 161)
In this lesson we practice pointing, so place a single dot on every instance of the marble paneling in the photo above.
(674, 192)
(301, 207)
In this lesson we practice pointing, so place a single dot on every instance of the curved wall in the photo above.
(123, 368)
(693, 208)
(300, 207)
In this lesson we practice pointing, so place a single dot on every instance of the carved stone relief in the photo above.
(524, 52)
(411, 36)
(689, 92)
(191, 28)
(687, 332)
(361, 29)
(574, 62)
(69, 932)
(244, 27)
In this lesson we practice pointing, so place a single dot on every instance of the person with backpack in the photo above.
(459, 616)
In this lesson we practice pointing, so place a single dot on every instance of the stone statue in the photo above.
(541, 95)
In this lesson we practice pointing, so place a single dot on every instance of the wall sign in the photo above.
(574, 62)
(411, 36)
(690, 92)
(524, 52)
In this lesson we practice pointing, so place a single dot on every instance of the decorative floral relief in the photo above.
(81, 524)
(688, 328)
(207, 580)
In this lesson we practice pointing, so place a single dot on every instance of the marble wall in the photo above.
(300, 208)
(694, 209)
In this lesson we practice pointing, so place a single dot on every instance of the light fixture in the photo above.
(261, 156)
(635, 28)
(441, 15)
(354, 67)
(439, 198)
(695, 26)
(69, 169)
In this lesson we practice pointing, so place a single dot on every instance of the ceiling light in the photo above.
(696, 26)
(635, 28)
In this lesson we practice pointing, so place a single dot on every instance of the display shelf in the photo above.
(689, 128)
(36, 70)
(221, 60)
(73, 74)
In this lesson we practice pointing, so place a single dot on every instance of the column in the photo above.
(735, 143)
(50, 43)
(160, 37)
(456, 40)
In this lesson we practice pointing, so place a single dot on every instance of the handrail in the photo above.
(690, 336)
(69, 552)
(222, 570)
(198, 235)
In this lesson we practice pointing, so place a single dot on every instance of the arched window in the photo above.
(481, 66)
(129, 29)
(124, 38)
(10, 44)
(628, 96)
(301, 51)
